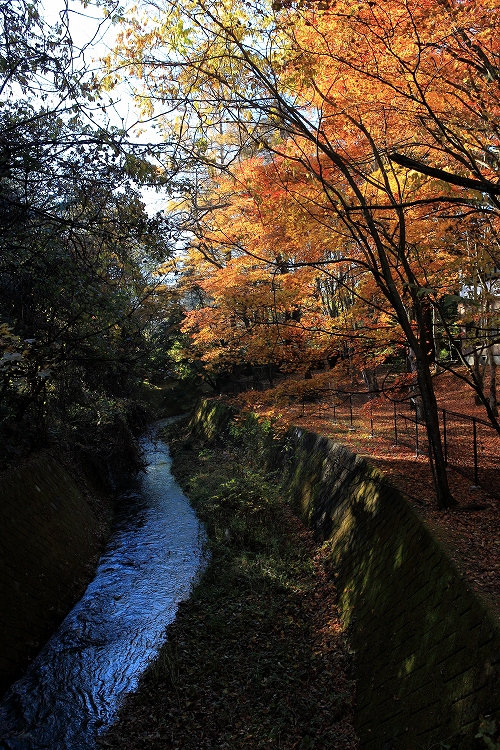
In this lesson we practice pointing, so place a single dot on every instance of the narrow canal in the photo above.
(73, 689)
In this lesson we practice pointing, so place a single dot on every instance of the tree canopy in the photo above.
(337, 187)
(357, 140)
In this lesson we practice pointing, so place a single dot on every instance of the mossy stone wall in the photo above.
(50, 540)
(427, 648)
(211, 419)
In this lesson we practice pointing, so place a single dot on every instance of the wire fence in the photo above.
(471, 445)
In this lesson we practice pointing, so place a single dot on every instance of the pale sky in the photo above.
(89, 27)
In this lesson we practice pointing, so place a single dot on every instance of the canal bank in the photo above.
(53, 527)
(257, 657)
(72, 689)
(426, 644)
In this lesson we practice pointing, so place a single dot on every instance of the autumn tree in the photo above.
(390, 108)
(264, 265)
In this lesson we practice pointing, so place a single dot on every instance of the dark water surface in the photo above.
(72, 690)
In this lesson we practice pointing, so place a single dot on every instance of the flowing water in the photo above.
(73, 689)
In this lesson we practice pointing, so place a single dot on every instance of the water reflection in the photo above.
(73, 688)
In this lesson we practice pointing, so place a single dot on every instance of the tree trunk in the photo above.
(430, 412)
(371, 382)
(437, 338)
(427, 341)
(493, 381)
(415, 397)
(426, 401)
(479, 375)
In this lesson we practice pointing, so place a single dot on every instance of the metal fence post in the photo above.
(351, 426)
(416, 433)
(474, 432)
(444, 439)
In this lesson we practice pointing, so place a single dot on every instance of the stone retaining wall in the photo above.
(50, 540)
(427, 648)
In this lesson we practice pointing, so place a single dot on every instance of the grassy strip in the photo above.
(256, 658)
